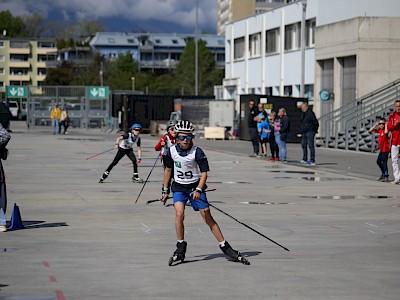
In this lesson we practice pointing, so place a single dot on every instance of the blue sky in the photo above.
(125, 15)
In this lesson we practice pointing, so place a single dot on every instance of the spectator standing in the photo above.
(264, 132)
(4, 139)
(393, 125)
(384, 147)
(64, 121)
(283, 133)
(272, 143)
(309, 127)
(55, 115)
(253, 132)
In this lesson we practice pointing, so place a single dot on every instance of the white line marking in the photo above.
(372, 231)
(376, 226)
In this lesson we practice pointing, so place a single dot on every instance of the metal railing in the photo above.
(341, 127)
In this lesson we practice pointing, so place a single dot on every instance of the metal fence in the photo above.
(84, 112)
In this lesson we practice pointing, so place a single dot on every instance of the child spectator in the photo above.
(264, 132)
(272, 143)
(384, 147)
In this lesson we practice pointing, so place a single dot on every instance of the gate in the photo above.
(84, 109)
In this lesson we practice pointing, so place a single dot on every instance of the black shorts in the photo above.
(264, 141)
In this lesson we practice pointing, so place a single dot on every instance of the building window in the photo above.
(272, 41)
(288, 91)
(175, 41)
(292, 36)
(268, 91)
(1, 44)
(2, 57)
(238, 51)
(309, 91)
(130, 41)
(255, 45)
(310, 33)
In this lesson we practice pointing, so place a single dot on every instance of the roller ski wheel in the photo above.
(137, 180)
(179, 253)
(104, 176)
(234, 255)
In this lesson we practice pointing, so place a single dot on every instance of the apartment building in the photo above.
(233, 10)
(350, 48)
(24, 61)
(156, 52)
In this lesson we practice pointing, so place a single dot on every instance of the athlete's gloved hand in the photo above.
(164, 194)
(196, 194)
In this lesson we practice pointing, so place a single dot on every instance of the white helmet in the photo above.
(184, 126)
(171, 123)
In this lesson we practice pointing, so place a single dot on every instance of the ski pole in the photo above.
(159, 154)
(155, 200)
(220, 210)
(100, 153)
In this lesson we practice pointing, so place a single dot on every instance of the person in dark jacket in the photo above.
(309, 127)
(283, 123)
(253, 131)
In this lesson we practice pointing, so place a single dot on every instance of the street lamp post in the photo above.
(133, 84)
(197, 51)
(303, 52)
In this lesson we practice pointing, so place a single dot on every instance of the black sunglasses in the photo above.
(185, 137)
(381, 123)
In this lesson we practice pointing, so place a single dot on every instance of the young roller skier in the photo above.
(125, 144)
(190, 176)
(166, 142)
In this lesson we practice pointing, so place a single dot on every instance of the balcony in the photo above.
(19, 64)
(20, 50)
(44, 51)
(16, 77)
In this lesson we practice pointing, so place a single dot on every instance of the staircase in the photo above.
(347, 127)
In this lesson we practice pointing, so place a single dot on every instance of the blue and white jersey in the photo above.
(129, 140)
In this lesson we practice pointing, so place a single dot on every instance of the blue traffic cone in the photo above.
(16, 220)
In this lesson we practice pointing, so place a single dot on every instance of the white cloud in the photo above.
(181, 12)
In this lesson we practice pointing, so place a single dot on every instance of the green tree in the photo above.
(208, 74)
(10, 25)
(120, 71)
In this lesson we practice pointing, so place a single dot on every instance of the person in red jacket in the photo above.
(384, 148)
(167, 140)
(393, 125)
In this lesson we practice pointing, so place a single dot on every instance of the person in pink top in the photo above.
(384, 148)
(393, 125)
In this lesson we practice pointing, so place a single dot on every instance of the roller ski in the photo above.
(179, 253)
(104, 176)
(136, 178)
(233, 254)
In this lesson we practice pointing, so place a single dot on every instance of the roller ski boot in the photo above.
(233, 254)
(104, 176)
(179, 253)
(136, 178)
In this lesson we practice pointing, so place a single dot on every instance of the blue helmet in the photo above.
(136, 125)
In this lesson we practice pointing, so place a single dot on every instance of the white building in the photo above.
(350, 48)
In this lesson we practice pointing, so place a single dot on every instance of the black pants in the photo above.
(382, 163)
(307, 139)
(273, 146)
(254, 140)
(120, 154)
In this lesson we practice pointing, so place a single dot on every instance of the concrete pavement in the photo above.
(85, 240)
